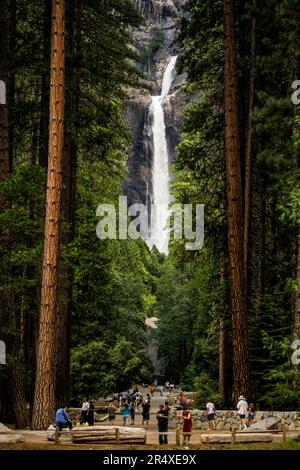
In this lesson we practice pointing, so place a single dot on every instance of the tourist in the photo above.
(251, 414)
(242, 407)
(210, 410)
(161, 391)
(62, 418)
(186, 416)
(162, 417)
(111, 411)
(146, 413)
(84, 411)
(132, 413)
(182, 400)
(125, 414)
(91, 414)
(167, 385)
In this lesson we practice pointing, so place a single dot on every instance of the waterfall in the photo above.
(159, 235)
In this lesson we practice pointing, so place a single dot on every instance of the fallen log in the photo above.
(227, 438)
(108, 433)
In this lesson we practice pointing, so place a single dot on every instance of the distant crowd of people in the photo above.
(128, 402)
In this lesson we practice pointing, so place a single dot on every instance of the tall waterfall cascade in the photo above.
(159, 231)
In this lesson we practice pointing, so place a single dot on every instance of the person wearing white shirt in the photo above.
(242, 407)
(84, 410)
(210, 407)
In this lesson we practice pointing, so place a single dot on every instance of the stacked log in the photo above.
(109, 434)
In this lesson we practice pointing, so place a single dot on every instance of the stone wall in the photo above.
(225, 419)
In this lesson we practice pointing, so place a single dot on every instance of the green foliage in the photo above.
(281, 383)
(100, 368)
(205, 391)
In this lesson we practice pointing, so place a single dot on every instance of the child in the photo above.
(251, 414)
(210, 407)
(125, 414)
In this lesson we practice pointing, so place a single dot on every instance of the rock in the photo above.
(264, 424)
(51, 433)
(10, 437)
(4, 428)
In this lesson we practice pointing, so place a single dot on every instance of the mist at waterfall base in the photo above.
(161, 198)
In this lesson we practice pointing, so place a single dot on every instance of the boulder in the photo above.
(51, 433)
(264, 425)
(7, 436)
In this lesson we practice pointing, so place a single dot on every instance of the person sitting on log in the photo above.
(62, 419)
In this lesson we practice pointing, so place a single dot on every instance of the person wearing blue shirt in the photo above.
(62, 418)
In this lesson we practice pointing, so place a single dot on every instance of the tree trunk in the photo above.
(44, 400)
(261, 250)
(74, 9)
(249, 157)
(234, 210)
(222, 342)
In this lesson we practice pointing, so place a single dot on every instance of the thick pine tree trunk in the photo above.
(222, 343)
(249, 157)
(44, 400)
(234, 210)
(74, 9)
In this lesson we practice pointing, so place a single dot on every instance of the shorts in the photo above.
(242, 416)
(211, 417)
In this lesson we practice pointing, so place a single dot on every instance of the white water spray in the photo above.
(160, 167)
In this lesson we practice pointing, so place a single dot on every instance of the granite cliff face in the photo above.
(156, 42)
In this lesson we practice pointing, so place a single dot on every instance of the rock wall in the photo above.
(156, 42)
(226, 419)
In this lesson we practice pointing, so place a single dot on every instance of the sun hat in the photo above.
(241, 397)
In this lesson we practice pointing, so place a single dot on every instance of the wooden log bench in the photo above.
(244, 436)
(109, 434)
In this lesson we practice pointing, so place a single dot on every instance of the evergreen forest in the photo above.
(73, 308)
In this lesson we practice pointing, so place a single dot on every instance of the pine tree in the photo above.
(234, 211)
(44, 400)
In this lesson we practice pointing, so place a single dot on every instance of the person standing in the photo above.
(132, 412)
(91, 414)
(162, 417)
(251, 415)
(125, 414)
(211, 412)
(111, 411)
(84, 411)
(186, 416)
(146, 413)
(242, 407)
